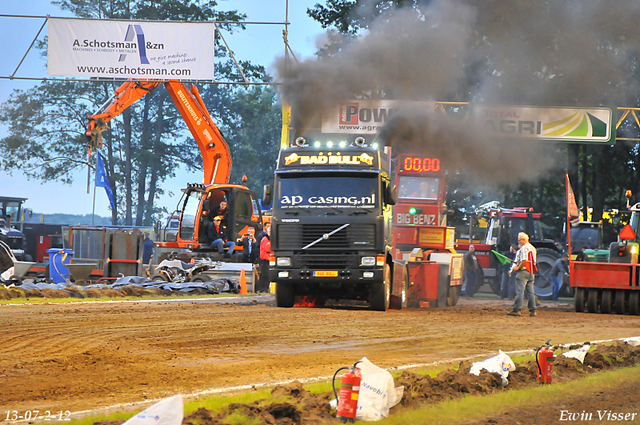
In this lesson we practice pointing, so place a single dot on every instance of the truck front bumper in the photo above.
(327, 277)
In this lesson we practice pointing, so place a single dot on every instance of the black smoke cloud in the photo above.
(521, 52)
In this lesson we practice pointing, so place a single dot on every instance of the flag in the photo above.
(103, 181)
(502, 258)
(572, 208)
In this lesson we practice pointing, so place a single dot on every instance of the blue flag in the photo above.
(103, 181)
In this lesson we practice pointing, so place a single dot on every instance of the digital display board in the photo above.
(420, 164)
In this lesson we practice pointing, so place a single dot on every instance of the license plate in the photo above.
(326, 273)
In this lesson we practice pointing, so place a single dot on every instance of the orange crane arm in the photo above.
(216, 157)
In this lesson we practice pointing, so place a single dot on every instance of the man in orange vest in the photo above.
(524, 265)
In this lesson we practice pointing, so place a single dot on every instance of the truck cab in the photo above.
(331, 224)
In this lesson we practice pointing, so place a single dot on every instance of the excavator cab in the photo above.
(242, 212)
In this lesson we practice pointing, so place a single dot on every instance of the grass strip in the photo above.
(474, 408)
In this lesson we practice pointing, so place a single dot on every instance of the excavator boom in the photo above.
(216, 157)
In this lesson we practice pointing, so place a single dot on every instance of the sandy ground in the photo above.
(87, 356)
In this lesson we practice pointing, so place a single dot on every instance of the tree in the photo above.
(149, 141)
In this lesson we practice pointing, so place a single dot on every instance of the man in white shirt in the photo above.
(524, 265)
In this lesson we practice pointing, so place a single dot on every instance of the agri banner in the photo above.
(130, 49)
(558, 124)
(365, 116)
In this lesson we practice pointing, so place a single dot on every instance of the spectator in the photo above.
(558, 271)
(222, 212)
(147, 249)
(218, 233)
(250, 247)
(265, 253)
(472, 272)
(507, 285)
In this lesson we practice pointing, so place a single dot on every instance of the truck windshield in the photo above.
(418, 188)
(327, 191)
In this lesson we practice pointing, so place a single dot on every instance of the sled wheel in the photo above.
(380, 295)
(454, 295)
(620, 301)
(592, 301)
(607, 301)
(398, 302)
(580, 299)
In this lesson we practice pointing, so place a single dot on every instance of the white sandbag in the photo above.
(8, 273)
(578, 353)
(500, 364)
(634, 341)
(377, 392)
(169, 411)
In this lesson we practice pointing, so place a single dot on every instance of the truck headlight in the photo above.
(368, 261)
(283, 261)
(367, 275)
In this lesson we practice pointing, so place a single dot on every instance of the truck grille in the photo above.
(325, 260)
(297, 236)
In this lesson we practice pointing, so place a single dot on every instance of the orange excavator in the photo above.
(242, 204)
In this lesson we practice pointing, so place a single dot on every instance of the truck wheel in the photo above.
(620, 302)
(285, 296)
(454, 295)
(634, 303)
(580, 299)
(543, 285)
(380, 295)
(592, 301)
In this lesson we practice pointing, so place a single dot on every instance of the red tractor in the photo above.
(502, 232)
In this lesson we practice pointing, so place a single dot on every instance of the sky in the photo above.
(260, 44)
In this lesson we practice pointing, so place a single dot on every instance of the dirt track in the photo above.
(87, 356)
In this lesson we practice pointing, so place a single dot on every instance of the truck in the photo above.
(242, 203)
(420, 233)
(611, 284)
(331, 226)
(11, 211)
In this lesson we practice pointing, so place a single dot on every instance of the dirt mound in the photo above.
(10, 293)
(294, 405)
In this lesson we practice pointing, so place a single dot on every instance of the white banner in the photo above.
(365, 116)
(135, 49)
(560, 124)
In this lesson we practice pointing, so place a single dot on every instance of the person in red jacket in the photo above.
(265, 253)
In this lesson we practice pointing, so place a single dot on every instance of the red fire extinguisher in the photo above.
(349, 392)
(544, 359)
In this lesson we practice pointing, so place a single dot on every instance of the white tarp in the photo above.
(168, 411)
(130, 49)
